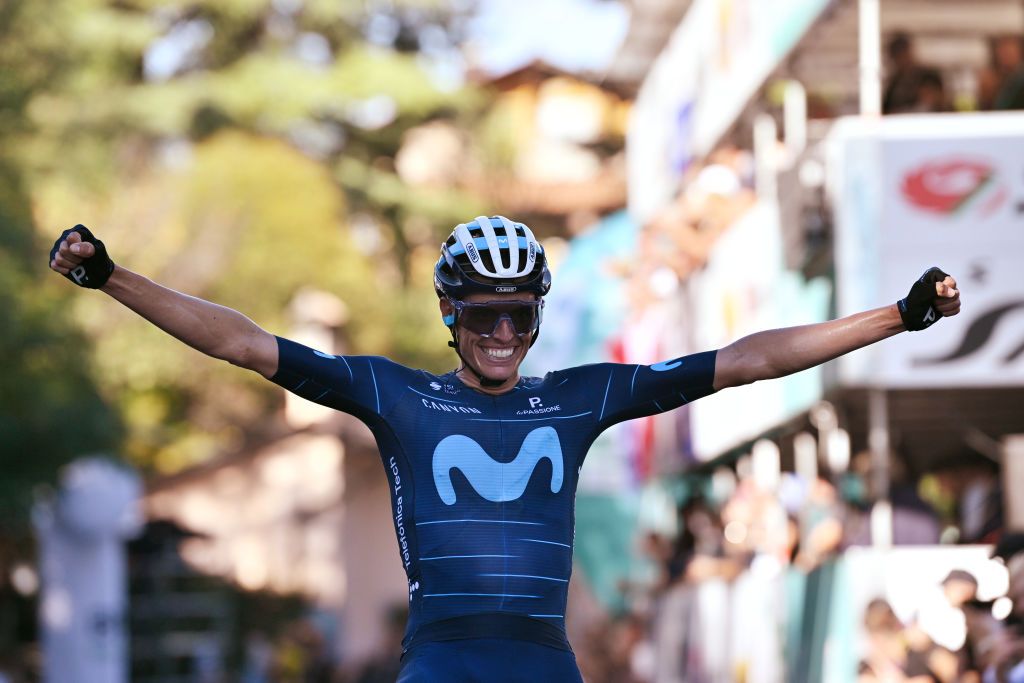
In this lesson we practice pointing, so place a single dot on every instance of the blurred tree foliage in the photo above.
(236, 150)
(50, 404)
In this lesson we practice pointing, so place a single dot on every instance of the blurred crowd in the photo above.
(963, 640)
(300, 653)
(912, 86)
(741, 590)
(677, 242)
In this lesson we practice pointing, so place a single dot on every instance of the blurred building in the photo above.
(702, 110)
(302, 515)
(777, 194)
(549, 151)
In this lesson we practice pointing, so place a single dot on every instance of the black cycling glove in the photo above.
(94, 271)
(917, 310)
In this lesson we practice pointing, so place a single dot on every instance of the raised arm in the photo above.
(776, 353)
(215, 330)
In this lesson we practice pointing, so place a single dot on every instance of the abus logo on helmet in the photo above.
(532, 252)
(471, 250)
(505, 290)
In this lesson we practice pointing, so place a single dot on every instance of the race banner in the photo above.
(942, 190)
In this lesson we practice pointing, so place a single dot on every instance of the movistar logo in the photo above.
(496, 481)
(667, 365)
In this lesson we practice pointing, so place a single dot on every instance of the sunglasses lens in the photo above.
(523, 318)
(479, 320)
(484, 319)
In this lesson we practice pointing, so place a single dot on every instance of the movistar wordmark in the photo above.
(496, 481)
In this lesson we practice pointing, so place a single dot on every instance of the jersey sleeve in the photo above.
(626, 392)
(351, 384)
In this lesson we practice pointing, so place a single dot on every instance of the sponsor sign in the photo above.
(947, 186)
(913, 192)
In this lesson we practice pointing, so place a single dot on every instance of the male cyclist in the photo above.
(482, 462)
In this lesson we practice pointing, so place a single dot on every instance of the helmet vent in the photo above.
(488, 258)
(478, 257)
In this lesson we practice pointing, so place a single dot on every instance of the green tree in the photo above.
(51, 408)
(226, 149)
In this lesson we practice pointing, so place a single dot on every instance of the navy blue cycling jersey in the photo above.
(483, 486)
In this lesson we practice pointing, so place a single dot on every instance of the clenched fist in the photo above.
(933, 296)
(81, 258)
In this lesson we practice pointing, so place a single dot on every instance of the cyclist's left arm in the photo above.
(625, 392)
(777, 353)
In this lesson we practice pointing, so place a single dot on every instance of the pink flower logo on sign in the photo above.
(946, 186)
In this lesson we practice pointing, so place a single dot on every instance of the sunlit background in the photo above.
(698, 170)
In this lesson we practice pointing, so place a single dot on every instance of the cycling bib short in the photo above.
(482, 486)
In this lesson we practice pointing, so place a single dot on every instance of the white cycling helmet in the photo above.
(491, 255)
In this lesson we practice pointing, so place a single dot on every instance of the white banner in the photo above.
(715, 62)
(659, 145)
(942, 190)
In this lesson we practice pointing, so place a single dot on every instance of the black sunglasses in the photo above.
(483, 318)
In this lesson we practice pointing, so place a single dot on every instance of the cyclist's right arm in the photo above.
(215, 330)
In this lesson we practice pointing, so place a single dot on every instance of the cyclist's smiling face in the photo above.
(498, 356)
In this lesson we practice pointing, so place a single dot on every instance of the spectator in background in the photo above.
(910, 87)
(945, 623)
(969, 489)
(384, 668)
(301, 655)
(931, 93)
(259, 656)
(914, 520)
(1002, 83)
(1005, 659)
(822, 522)
(901, 654)
(885, 660)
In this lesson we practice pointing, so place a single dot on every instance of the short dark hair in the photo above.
(930, 78)
(960, 575)
(899, 45)
(1009, 545)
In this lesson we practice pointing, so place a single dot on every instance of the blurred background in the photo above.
(698, 170)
